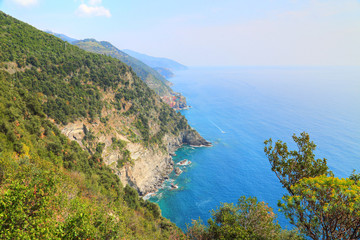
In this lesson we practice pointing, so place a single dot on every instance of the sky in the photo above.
(209, 32)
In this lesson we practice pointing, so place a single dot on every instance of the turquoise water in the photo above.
(237, 108)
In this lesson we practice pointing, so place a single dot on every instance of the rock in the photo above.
(178, 171)
(151, 166)
(193, 138)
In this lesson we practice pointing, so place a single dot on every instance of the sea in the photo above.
(237, 109)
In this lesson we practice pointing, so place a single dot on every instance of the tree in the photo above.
(248, 219)
(320, 205)
(325, 207)
(291, 166)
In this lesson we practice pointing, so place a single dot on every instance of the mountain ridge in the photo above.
(154, 62)
(150, 76)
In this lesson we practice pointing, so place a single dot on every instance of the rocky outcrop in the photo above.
(152, 167)
(149, 167)
(188, 137)
(177, 171)
(193, 138)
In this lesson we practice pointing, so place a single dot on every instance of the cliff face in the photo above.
(149, 166)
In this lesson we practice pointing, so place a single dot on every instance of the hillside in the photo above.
(156, 62)
(72, 124)
(52, 189)
(151, 77)
(93, 98)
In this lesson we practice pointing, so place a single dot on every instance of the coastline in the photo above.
(159, 185)
(152, 167)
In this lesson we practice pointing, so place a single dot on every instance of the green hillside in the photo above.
(151, 77)
(50, 188)
(71, 82)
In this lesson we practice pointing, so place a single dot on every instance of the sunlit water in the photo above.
(237, 108)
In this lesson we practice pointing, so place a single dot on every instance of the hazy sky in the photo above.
(209, 32)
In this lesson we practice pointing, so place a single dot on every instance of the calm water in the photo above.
(237, 108)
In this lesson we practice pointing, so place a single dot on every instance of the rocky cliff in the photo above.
(149, 166)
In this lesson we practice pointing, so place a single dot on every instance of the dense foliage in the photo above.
(320, 205)
(248, 219)
(325, 207)
(50, 188)
(150, 76)
(71, 83)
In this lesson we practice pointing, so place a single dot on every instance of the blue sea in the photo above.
(237, 108)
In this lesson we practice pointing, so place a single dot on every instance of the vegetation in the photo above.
(292, 166)
(71, 83)
(319, 204)
(150, 76)
(50, 188)
(248, 219)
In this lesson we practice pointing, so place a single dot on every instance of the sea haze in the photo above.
(237, 108)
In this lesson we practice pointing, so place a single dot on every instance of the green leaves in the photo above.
(325, 207)
(291, 166)
(319, 204)
(248, 219)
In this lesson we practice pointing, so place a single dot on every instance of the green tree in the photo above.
(325, 208)
(291, 166)
(248, 219)
(320, 205)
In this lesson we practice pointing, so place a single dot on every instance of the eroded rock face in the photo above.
(148, 172)
(150, 167)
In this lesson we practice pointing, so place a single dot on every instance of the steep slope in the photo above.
(156, 61)
(154, 80)
(51, 189)
(151, 77)
(97, 101)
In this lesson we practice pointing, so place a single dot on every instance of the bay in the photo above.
(237, 108)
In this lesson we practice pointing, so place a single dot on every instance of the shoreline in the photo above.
(160, 185)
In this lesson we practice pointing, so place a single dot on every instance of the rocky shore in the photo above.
(154, 176)
(151, 166)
